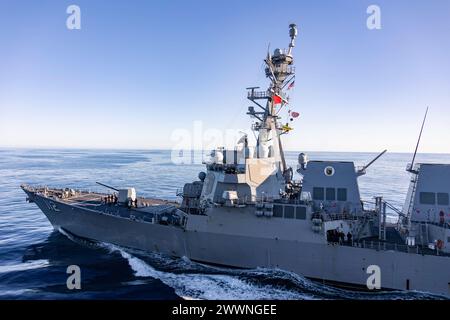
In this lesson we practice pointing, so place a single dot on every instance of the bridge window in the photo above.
(318, 193)
(342, 194)
(300, 213)
(428, 198)
(331, 194)
(289, 212)
(278, 211)
(442, 199)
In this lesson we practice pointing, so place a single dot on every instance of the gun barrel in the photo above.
(375, 159)
(106, 186)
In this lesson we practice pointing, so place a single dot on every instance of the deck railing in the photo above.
(386, 246)
(254, 95)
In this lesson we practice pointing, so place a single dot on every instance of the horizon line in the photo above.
(168, 149)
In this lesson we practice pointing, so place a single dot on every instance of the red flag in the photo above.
(276, 99)
(295, 114)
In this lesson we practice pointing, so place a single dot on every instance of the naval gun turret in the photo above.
(125, 196)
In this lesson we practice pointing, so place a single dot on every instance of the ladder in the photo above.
(413, 195)
(424, 233)
(380, 207)
(382, 217)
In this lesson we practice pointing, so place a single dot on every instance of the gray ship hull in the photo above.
(321, 261)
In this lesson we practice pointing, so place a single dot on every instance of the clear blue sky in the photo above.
(137, 70)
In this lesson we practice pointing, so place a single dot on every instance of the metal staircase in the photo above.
(413, 195)
(363, 225)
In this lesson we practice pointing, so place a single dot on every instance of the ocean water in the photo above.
(34, 257)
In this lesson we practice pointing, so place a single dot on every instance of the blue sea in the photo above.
(34, 257)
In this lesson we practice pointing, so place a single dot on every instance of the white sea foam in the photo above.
(206, 286)
(18, 292)
(29, 265)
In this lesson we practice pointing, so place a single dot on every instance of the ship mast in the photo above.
(280, 72)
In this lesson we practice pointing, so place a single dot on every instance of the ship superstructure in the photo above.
(426, 212)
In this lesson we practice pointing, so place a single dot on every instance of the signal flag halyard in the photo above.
(286, 128)
(291, 85)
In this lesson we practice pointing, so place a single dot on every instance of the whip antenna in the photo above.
(411, 168)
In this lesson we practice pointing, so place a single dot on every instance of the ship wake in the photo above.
(29, 265)
(192, 280)
(205, 286)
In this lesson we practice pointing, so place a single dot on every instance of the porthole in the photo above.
(329, 171)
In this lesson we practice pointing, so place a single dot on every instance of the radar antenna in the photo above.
(411, 167)
(293, 34)
(280, 71)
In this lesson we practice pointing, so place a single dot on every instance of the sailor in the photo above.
(335, 236)
(341, 237)
(349, 238)
(331, 236)
(441, 217)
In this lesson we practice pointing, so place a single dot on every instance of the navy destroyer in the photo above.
(248, 211)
